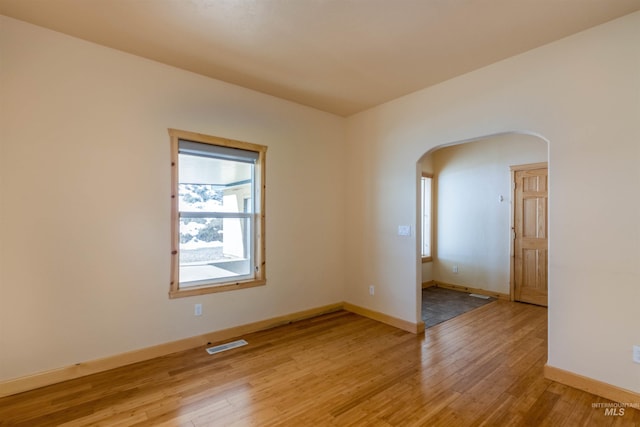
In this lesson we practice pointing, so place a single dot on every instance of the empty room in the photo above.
(213, 212)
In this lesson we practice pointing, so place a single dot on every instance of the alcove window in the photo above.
(425, 191)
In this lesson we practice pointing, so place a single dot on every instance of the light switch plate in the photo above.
(636, 353)
(404, 230)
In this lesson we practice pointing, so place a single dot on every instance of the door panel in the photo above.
(530, 236)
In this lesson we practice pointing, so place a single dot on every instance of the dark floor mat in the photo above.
(440, 304)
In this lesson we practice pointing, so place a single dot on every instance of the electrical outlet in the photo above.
(455, 268)
(372, 290)
(636, 353)
(197, 310)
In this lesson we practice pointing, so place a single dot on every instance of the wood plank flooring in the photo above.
(483, 368)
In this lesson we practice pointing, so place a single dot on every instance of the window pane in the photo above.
(212, 249)
(213, 185)
(426, 217)
(215, 244)
(199, 198)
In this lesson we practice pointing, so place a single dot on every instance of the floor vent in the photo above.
(227, 346)
(479, 296)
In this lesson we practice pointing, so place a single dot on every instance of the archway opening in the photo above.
(471, 220)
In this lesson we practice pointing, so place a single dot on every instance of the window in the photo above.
(425, 191)
(217, 214)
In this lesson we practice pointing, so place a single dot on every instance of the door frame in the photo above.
(512, 252)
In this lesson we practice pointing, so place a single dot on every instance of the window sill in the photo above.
(202, 290)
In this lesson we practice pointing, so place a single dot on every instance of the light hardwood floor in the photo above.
(482, 368)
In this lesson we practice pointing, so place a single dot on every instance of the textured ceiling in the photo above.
(340, 56)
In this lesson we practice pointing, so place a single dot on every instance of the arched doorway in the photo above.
(472, 216)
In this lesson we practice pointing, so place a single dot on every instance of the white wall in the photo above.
(427, 272)
(472, 225)
(581, 94)
(85, 191)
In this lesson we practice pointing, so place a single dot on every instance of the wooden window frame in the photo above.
(259, 216)
(430, 257)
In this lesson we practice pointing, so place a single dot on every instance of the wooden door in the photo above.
(530, 234)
